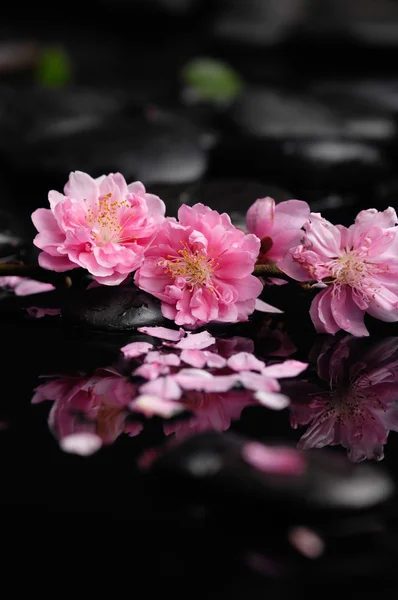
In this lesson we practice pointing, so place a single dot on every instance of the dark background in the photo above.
(100, 87)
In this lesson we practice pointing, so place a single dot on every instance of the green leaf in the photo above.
(212, 80)
(54, 68)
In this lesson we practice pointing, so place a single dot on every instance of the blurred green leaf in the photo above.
(212, 80)
(54, 67)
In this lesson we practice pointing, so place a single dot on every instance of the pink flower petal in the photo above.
(272, 400)
(25, 287)
(155, 406)
(37, 313)
(136, 349)
(307, 542)
(198, 380)
(262, 306)
(243, 361)
(289, 368)
(268, 459)
(195, 358)
(170, 360)
(196, 341)
(260, 217)
(151, 371)
(215, 361)
(258, 382)
(164, 387)
(173, 335)
(83, 444)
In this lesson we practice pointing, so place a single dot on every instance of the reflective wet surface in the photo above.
(226, 465)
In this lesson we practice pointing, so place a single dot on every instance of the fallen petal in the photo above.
(37, 312)
(170, 360)
(289, 368)
(244, 361)
(196, 341)
(163, 333)
(272, 400)
(136, 349)
(258, 382)
(268, 459)
(163, 387)
(83, 444)
(306, 541)
(262, 306)
(151, 371)
(155, 406)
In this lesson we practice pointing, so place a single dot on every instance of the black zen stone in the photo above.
(113, 308)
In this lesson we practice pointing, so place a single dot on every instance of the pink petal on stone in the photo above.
(83, 444)
(155, 406)
(151, 371)
(215, 361)
(164, 387)
(306, 541)
(37, 313)
(25, 287)
(196, 341)
(262, 306)
(258, 382)
(136, 349)
(203, 381)
(268, 459)
(195, 358)
(170, 360)
(163, 333)
(289, 368)
(244, 361)
(272, 400)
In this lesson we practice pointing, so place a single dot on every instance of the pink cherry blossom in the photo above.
(21, 286)
(358, 268)
(201, 267)
(278, 226)
(102, 225)
(359, 408)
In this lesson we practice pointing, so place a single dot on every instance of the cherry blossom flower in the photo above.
(201, 267)
(359, 407)
(357, 267)
(278, 226)
(102, 225)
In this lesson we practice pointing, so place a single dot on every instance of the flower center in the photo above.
(349, 269)
(193, 265)
(103, 218)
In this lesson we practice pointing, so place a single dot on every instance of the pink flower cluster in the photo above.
(201, 266)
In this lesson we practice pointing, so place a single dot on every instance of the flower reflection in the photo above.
(95, 404)
(193, 380)
(360, 407)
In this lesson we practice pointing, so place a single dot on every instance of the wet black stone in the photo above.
(235, 196)
(333, 164)
(329, 485)
(36, 114)
(255, 22)
(141, 150)
(113, 308)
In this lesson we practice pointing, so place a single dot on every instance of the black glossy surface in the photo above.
(317, 118)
